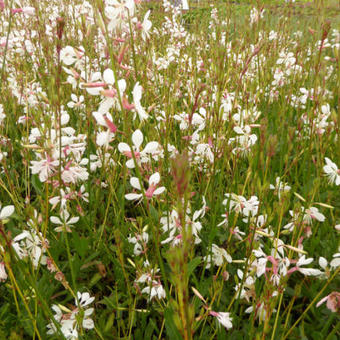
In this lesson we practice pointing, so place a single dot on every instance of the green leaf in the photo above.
(149, 329)
(154, 213)
(96, 277)
(81, 244)
(170, 327)
(109, 322)
(37, 185)
(193, 265)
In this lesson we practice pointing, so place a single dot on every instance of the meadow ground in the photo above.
(169, 174)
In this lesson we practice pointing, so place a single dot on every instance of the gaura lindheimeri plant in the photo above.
(148, 147)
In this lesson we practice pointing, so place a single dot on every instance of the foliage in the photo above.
(169, 174)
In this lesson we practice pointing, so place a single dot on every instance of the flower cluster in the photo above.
(70, 322)
(141, 159)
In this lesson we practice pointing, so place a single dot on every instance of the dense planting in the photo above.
(167, 173)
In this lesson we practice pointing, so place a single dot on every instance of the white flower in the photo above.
(106, 88)
(62, 199)
(87, 321)
(255, 15)
(171, 224)
(146, 25)
(77, 102)
(219, 255)
(3, 274)
(239, 203)
(235, 202)
(2, 115)
(139, 241)
(237, 233)
(306, 271)
(223, 318)
(260, 311)
(185, 5)
(335, 263)
(6, 212)
(137, 96)
(150, 192)
(65, 222)
(203, 151)
(75, 173)
(69, 322)
(244, 141)
(332, 172)
(95, 86)
(156, 290)
(68, 55)
(323, 262)
(83, 299)
(69, 329)
(32, 244)
(105, 120)
(261, 266)
(104, 138)
(251, 207)
(57, 317)
(151, 148)
(44, 168)
(272, 35)
(280, 187)
(111, 99)
(118, 13)
(225, 220)
(313, 214)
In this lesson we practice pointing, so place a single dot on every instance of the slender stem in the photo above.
(277, 317)
(69, 258)
(312, 303)
(34, 322)
(6, 44)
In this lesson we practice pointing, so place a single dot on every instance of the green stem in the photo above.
(312, 303)
(6, 45)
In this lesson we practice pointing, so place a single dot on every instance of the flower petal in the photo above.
(137, 138)
(123, 147)
(154, 179)
(151, 147)
(108, 76)
(133, 197)
(88, 324)
(55, 220)
(6, 212)
(134, 181)
(130, 164)
(159, 191)
(122, 86)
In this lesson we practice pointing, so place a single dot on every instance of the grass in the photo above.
(172, 181)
